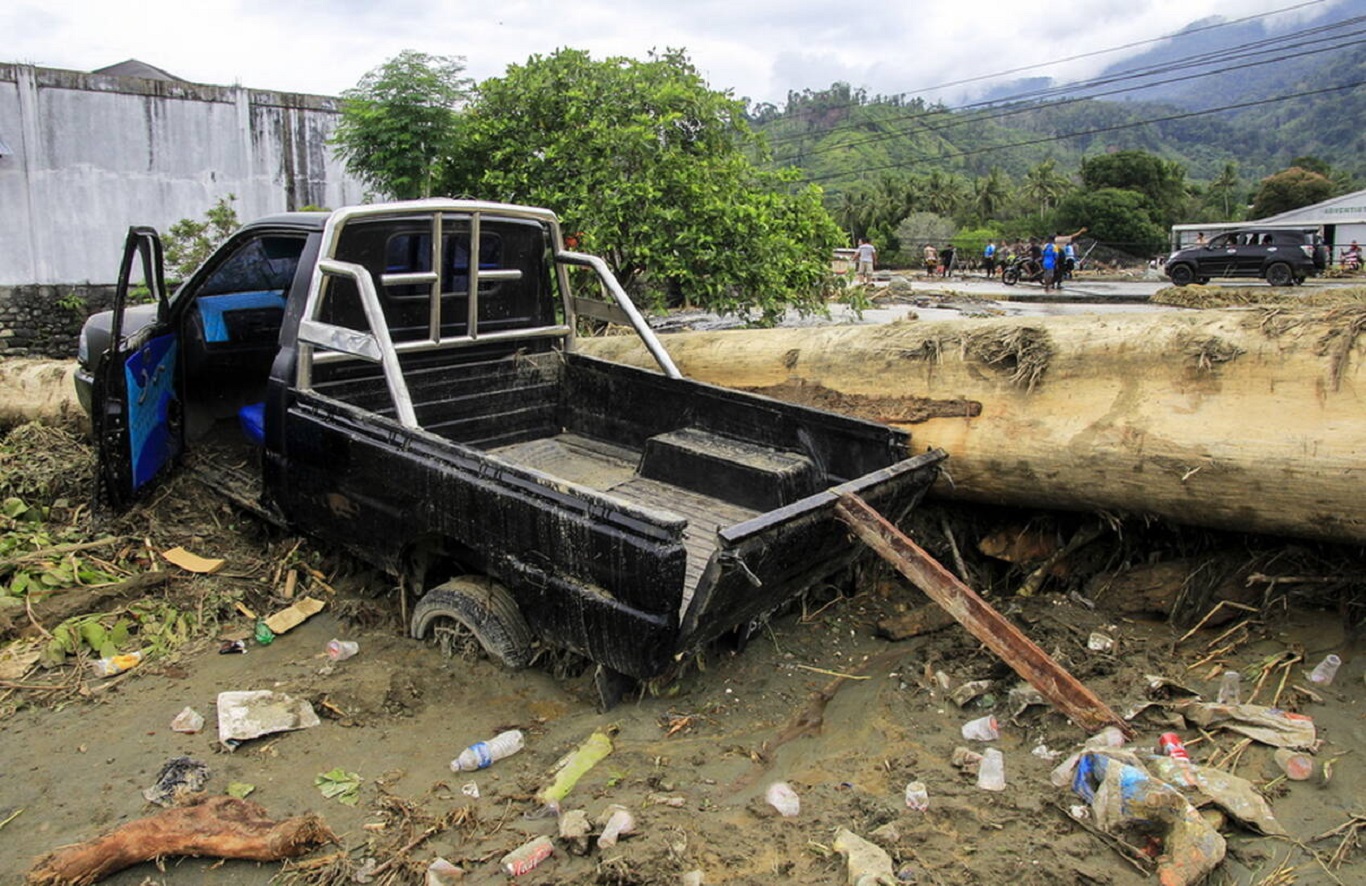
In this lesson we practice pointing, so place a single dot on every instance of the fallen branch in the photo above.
(1024, 656)
(218, 827)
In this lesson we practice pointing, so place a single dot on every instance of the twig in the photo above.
(12, 816)
(1201, 623)
(833, 673)
(62, 550)
(958, 561)
(1132, 854)
(28, 609)
(409, 847)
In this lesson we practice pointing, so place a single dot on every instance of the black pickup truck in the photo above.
(402, 380)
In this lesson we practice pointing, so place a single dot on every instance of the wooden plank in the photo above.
(1074, 700)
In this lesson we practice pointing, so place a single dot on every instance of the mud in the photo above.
(816, 699)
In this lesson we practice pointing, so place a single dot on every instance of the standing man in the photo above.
(931, 257)
(864, 258)
(989, 258)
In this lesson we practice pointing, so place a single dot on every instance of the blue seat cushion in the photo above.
(253, 420)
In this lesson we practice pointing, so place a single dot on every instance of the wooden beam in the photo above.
(1073, 699)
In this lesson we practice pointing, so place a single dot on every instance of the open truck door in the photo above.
(137, 414)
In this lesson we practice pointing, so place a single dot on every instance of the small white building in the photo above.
(1340, 220)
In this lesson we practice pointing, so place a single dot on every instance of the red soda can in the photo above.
(1170, 744)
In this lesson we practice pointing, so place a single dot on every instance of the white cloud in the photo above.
(760, 49)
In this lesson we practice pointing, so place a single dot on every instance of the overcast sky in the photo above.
(757, 49)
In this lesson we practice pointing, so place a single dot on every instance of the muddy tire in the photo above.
(1010, 276)
(472, 614)
(1182, 275)
(1280, 274)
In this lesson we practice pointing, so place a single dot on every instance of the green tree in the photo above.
(1118, 217)
(1162, 182)
(1290, 189)
(1044, 186)
(991, 194)
(188, 242)
(399, 121)
(652, 167)
(919, 228)
(1224, 186)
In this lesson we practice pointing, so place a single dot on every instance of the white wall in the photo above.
(93, 154)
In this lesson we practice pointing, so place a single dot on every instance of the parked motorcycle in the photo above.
(1022, 268)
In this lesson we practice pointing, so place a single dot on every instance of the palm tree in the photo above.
(1044, 185)
(1225, 185)
(991, 193)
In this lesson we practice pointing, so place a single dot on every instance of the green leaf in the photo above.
(339, 785)
(240, 789)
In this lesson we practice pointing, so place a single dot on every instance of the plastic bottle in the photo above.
(991, 774)
(1325, 671)
(782, 798)
(917, 797)
(528, 855)
(982, 729)
(1230, 687)
(341, 650)
(484, 754)
(1170, 744)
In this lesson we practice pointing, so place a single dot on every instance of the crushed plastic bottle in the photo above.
(1325, 671)
(341, 650)
(484, 754)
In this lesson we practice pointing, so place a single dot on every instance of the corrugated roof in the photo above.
(134, 68)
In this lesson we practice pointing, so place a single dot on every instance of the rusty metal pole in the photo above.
(1073, 699)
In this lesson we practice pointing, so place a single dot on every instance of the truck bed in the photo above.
(612, 469)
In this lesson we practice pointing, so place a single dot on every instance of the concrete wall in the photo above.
(93, 154)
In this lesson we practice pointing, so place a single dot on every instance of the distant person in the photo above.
(1049, 257)
(1069, 261)
(931, 259)
(865, 257)
(1200, 239)
(989, 259)
(946, 257)
(1351, 257)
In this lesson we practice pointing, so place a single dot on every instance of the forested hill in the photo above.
(1241, 95)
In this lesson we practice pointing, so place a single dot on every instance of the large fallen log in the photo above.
(1251, 419)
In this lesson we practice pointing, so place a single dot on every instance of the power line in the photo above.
(778, 140)
(1103, 129)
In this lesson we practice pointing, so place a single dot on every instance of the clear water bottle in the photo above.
(1230, 687)
(484, 754)
(1325, 671)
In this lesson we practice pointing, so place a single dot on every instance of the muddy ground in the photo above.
(693, 759)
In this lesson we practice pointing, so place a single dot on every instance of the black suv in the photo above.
(1281, 256)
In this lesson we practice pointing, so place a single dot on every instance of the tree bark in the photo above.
(1250, 420)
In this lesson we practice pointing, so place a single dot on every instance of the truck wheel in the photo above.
(470, 614)
(1280, 274)
(1182, 275)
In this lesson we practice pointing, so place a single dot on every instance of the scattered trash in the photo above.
(442, 873)
(1270, 726)
(991, 773)
(1122, 794)
(179, 777)
(1109, 737)
(917, 796)
(178, 556)
(1099, 642)
(654, 799)
(240, 789)
(484, 754)
(868, 863)
(964, 694)
(233, 647)
(692, 878)
(1169, 743)
(527, 856)
(341, 650)
(572, 766)
(188, 721)
(1043, 752)
(116, 664)
(616, 821)
(1230, 687)
(470, 789)
(292, 616)
(1325, 671)
(1023, 696)
(263, 634)
(574, 831)
(1231, 793)
(251, 714)
(782, 798)
(339, 785)
(1297, 766)
(982, 729)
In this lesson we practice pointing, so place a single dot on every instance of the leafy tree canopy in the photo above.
(1290, 189)
(399, 121)
(920, 228)
(651, 166)
(1163, 182)
(1116, 216)
(189, 242)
